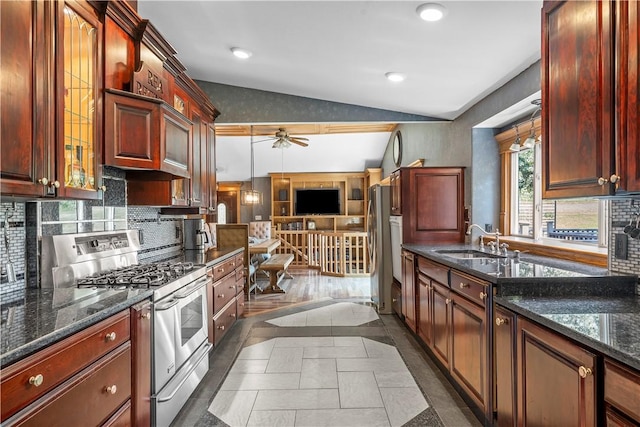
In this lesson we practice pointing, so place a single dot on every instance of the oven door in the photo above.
(191, 322)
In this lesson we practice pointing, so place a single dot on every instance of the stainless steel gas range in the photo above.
(109, 260)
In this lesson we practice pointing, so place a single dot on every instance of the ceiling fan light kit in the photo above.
(431, 12)
(282, 139)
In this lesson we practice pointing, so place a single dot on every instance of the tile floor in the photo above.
(333, 363)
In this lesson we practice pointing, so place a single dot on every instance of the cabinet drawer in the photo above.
(60, 361)
(433, 270)
(622, 388)
(223, 321)
(240, 304)
(223, 292)
(222, 269)
(472, 288)
(240, 276)
(87, 399)
(239, 259)
(122, 418)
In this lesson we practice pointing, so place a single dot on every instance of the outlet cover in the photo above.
(258, 217)
(622, 243)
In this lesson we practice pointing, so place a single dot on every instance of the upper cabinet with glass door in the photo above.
(79, 103)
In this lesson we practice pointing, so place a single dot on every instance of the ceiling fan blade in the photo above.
(300, 143)
(299, 138)
(263, 140)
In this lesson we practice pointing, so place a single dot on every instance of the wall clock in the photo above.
(397, 149)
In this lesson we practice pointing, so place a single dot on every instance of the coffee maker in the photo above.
(195, 235)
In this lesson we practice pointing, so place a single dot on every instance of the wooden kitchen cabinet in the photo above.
(408, 290)
(441, 322)
(425, 309)
(396, 192)
(225, 295)
(555, 377)
(590, 97)
(212, 182)
(621, 391)
(52, 133)
(468, 358)
(628, 94)
(504, 359)
(432, 204)
(85, 379)
(140, 411)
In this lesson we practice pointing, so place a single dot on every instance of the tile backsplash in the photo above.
(12, 214)
(160, 236)
(622, 212)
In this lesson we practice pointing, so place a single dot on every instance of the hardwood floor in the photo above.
(307, 286)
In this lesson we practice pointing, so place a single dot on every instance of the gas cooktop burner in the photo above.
(138, 276)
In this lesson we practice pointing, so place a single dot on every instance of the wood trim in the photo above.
(416, 164)
(303, 129)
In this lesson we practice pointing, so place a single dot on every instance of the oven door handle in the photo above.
(204, 350)
(189, 289)
(167, 305)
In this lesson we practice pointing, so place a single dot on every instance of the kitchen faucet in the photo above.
(496, 234)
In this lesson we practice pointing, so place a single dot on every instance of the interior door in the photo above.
(230, 200)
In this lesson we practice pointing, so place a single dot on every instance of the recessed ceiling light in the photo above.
(241, 53)
(431, 11)
(395, 77)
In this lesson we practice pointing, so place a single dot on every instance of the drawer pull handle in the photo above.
(463, 285)
(36, 380)
(501, 321)
(146, 315)
(584, 372)
(483, 295)
(112, 389)
(221, 327)
(220, 295)
(110, 337)
(447, 301)
(221, 270)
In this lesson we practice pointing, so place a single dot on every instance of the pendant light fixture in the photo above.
(252, 196)
(530, 142)
(515, 147)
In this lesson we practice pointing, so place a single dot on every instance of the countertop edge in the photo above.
(38, 344)
(596, 345)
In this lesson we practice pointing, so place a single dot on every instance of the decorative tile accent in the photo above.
(340, 314)
(15, 214)
(621, 213)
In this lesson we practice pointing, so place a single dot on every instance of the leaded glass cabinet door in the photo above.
(79, 78)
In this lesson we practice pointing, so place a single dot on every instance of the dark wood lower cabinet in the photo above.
(425, 310)
(441, 322)
(556, 383)
(468, 359)
(140, 410)
(408, 290)
(504, 359)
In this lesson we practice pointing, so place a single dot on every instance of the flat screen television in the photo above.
(319, 201)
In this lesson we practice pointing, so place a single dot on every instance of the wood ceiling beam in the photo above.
(304, 129)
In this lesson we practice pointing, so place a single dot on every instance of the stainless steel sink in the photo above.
(467, 254)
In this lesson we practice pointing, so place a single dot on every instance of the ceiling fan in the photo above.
(282, 139)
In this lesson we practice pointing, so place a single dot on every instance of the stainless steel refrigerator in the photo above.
(379, 236)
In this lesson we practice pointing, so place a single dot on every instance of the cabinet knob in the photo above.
(584, 372)
(602, 181)
(483, 295)
(501, 321)
(112, 389)
(614, 178)
(447, 301)
(463, 285)
(44, 181)
(110, 337)
(241, 304)
(220, 295)
(36, 380)
(102, 188)
(146, 315)
(232, 287)
(221, 327)
(232, 315)
(56, 184)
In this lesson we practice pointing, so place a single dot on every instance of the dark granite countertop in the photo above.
(35, 318)
(530, 268)
(32, 319)
(609, 325)
(588, 304)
